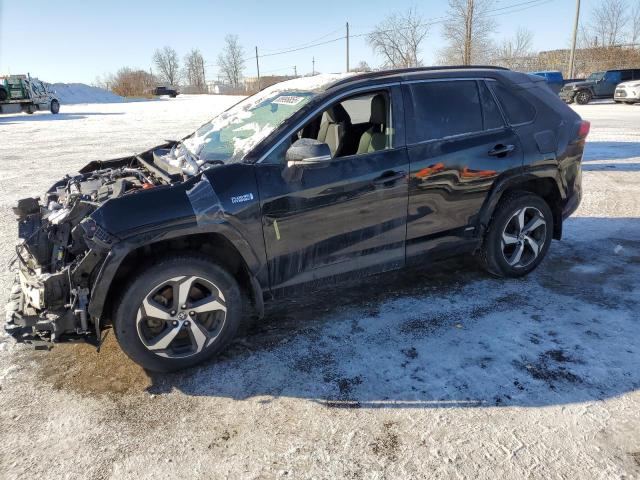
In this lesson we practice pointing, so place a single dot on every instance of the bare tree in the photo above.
(194, 70)
(398, 37)
(230, 61)
(468, 29)
(130, 82)
(514, 52)
(362, 67)
(608, 21)
(168, 65)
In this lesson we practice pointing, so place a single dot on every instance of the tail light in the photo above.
(583, 131)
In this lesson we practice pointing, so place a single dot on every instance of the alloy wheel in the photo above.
(181, 316)
(523, 237)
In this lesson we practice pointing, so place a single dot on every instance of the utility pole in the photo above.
(347, 46)
(204, 80)
(313, 63)
(468, 33)
(572, 57)
(258, 68)
(295, 71)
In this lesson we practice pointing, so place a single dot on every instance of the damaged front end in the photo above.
(61, 248)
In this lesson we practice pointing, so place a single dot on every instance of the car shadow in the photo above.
(48, 117)
(596, 151)
(448, 335)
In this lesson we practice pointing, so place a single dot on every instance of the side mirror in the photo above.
(308, 153)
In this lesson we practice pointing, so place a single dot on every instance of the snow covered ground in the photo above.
(441, 373)
(69, 93)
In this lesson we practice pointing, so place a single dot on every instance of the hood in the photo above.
(630, 83)
(579, 84)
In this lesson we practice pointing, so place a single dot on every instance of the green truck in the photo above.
(26, 94)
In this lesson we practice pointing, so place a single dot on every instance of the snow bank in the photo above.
(81, 93)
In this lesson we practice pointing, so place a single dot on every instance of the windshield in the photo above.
(594, 77)
(232, 134)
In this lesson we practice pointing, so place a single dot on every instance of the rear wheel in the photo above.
(3, 94)
(583, 97)
(518, 237)
(55, 106)
(177, 313)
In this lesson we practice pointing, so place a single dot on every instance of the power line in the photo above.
(505, 10)
(277, 50)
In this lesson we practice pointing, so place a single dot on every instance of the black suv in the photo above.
(597, 85)
(172, 92)
(317, 177)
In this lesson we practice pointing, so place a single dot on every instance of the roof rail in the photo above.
(396, 71)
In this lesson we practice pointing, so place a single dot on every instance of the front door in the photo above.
(348, 214)
(459, 147)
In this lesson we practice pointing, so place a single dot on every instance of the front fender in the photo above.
(120, 250)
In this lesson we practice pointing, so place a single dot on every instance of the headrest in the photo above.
(378, 110)
(337, 114)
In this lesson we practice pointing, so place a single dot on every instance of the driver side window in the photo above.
(357, 125)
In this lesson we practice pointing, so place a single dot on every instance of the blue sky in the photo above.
(74, 41)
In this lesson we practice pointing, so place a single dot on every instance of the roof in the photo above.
(407, 73)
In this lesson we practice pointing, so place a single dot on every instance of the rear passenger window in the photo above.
(490, 111)
(443, 109)
(515, 107)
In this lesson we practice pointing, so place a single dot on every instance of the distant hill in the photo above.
(80, 93)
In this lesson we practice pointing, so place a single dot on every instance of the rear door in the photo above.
(458, 146)
(346, 216)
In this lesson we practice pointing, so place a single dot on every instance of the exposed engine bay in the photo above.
(61, 246)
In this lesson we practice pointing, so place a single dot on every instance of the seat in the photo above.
(333, 127)
(375, 138)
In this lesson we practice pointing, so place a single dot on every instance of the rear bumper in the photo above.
(572, 203)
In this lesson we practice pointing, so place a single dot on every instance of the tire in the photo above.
(55, 107)
(498, 257)
(3, 94)
(170, 336)
(583, 97)
(30, 109)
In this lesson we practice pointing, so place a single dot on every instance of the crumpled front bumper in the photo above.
(25, 322)
(49, 305)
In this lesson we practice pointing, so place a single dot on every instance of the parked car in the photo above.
(313, 178)
(26, 94)
(597, 85)
(628, 92)
(553, 78)
(172, 92)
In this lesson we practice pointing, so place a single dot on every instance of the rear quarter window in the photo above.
(444, 109)
(516, 108)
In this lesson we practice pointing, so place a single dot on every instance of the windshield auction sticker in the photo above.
(288, 100)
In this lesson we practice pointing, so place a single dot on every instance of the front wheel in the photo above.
(583, 97)
(177, 313)
(518, 237)
(55, 107)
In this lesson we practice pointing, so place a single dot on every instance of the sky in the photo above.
(76, 41)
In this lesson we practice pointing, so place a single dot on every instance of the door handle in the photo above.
(388, 177)
(501, 150)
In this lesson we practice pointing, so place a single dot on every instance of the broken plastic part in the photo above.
(205, 203)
